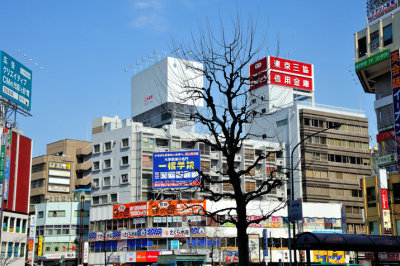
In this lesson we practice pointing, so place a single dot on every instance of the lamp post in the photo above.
(334, 126)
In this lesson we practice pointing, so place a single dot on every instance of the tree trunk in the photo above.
(242, 237)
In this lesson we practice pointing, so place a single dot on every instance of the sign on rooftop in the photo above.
(15, 81)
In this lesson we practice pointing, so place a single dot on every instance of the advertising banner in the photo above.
(290, 67)
(335, 257)
(7, 163)
(254, 248)
(176, 207)
(40, 246)
(381, 10)
(15, 81)
(136, 209)
(176, 169)
(395, 71)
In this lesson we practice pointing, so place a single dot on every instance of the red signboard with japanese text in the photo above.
(385, 135)
(289, 66)
(384, 199)
(136, 209)
(292, 81)
(259, 66)
(176, 207)
(282, 72)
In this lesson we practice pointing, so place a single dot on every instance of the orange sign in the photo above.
(30, 245)
(141, 256)
(136, 209)
(176, 207)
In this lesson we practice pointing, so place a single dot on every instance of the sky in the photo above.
(78, 51)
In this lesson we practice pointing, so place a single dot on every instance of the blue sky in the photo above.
(85, 45)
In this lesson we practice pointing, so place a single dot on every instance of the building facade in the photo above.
(58, 226)
(328, 162)
(13, 236)
(65, 167)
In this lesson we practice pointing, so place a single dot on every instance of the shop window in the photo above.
(362, 47)
(387, 35)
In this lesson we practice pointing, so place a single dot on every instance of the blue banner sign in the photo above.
(15, 81)
(176, 169)
(395, 71)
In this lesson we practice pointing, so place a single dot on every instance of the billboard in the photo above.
(136, 209)
(376, 11)
(176, 169)
(282, 72)
(176, 207)
(395, 72)
(15, 81)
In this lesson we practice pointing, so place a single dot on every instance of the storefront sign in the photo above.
(55, 165)
(136, 209)
(381, 10)
(176, 207)
(334, 257)
(387, 159)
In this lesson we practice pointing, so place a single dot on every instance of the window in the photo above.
(107, 163)
(22, 250)
(107, 146)
(37, 168)
(283, 122)
(113, 198)
(96, 166)
(396, 193)
(3, 249)
(37, 183)
(95, 183)
(106, 181)
(387, 35)
(16, 249)
(40, 214)
(96, 148)
(125, 143)
(371, 197)
(373, 228)
(96, 200)
(263, 111)
(253, 101)
(78, 213)
(362, 47)
(147, 161)
(124, 160)
(124, 179)
(56, 213)
(104, 199)
(9, 250)
(147, 143)
(18, 225)
(374, 41)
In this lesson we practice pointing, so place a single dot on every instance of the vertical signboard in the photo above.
(176, 169)
(32, 233)
(386, 220)
(7, 162)
(86, 252)
(265, 242)
(254, 248)
(15, 81)
(40, 246)
(395, 71)
(4, 140)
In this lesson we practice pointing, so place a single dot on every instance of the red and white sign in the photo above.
(259, 66)
(386, 135)
(384, 199)
(289, 66)
(282, 72)
(287, 80)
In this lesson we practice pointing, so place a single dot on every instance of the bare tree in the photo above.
(225, 58)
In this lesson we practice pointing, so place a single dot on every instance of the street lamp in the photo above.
(334, 126)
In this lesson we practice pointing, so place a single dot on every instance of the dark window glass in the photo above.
(362, 47)
(387, 35)
(396, 193)
(371, 197)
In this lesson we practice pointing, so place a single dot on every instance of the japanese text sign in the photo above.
(395, 69)
(136, 209)
(381, 10)
(384, 199)
(15, 81)
(176, 207)
(292, 81)
(289, 66)
(258, 67)
(176, 169)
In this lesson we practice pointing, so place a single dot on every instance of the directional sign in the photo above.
(295, 210)
(15, 81)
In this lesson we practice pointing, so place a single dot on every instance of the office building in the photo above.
(65, 167)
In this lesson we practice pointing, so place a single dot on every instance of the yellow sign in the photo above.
(40, 246)
(328, 256)
(65, 166)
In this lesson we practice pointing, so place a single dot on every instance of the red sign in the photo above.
(258, 80)
(289, 66)
(151, 256)
(259, 66)
(136, 209)
(141, 256)
(292, 81)
(385, 135)
(384, 199)
(30, 245)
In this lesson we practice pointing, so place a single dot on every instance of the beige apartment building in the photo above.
(65, 167)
